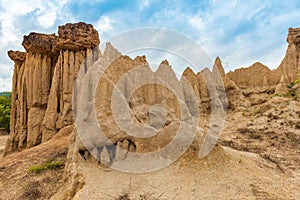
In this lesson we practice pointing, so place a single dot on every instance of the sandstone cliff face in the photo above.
(43, 82)
(44, 77)
(289, 69)
(254, 76)
(258, 82)
(259, 76)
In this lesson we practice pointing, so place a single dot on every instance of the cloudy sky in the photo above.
(240, 32)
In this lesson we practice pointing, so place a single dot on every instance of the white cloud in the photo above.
(240, 33)
(5, 84)
(15, 21)
(48, 19)
(144, 4)
(197, 22)
(46, 16)
(104, 24)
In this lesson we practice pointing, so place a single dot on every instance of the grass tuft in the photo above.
(293, 83)
(46, 166)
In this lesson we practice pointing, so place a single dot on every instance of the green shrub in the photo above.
(46, 166)
(293, 83)
(5, 106)
(291, 93)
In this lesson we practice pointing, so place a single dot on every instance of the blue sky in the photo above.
(240, 32)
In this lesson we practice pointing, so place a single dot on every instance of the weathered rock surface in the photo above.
(77, 37)
(254, 76)
(40, 43)
(43, 83)
(257, 82)
(44, 78)
(16, 55)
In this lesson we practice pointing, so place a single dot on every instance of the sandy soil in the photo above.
(257, 157)
(226, 174)
(17, 182)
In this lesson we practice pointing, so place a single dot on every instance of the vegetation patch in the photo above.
(48, 165)
(291, 91)
(5, 106)
(294, 83)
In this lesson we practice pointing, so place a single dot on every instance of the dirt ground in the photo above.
(3, 139)
(18, 182)
(226, 174)
(257, 157)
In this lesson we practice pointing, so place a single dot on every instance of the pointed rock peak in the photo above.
(218, 60)
(188, 72)
(163, 67)
(141, 59)
(111, 51)
(205, 71)
(218, 65)
(109, 48)
(260, 66)
(164, 70)
(165, 62)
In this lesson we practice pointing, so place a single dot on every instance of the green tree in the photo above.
(5, 106)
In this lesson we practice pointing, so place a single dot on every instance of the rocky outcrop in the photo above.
(289, 69)
(44, 77)
(77, 37)
(43, 82)
(40, 43)
(42, 99)
(234, 95)
(42, 107)
(258, 82)
(254, 76)
(255, 82)
(200, 84)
